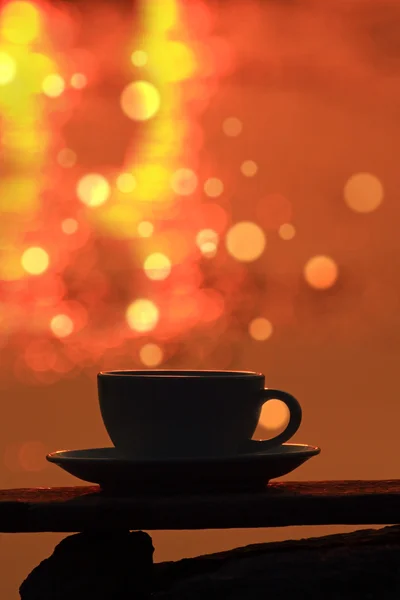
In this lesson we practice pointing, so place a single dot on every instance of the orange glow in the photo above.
(207, 241)
(274, 415)
(249, 168)
(287, 231)
(140, 101)
(145, 229)
(213, 187)
(157, 266)
(184, 182)
(363, 192)
(93, 190)
(66, 158)
(232, 127)
(151, 355)
(321, 272)
(260, 329)
(78, 81)
(69, 226)
(142, 315)
(273, 211)
(245, 241)
(61, 326)
(32, 456)
(35, 260)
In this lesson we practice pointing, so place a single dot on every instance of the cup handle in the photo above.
(293, 425)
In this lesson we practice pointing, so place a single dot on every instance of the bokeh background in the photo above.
(200, 184)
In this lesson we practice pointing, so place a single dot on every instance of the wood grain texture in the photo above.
(82, 508)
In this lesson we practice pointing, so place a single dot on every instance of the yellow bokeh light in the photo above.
(142, 315)
(8, 68)
(249, 168)
(151, 355)
(157, 266)
(321, 272)
(184, 182)
(140, 100)
(62, 326)
(245, 241)
(139, 58)
(274, 415)
(152, 181)
(69, 226)
(177, 61)
(93, 189)
(66, 158)
(53, 85)
(20, 22)
(126, 183)
(35, 260)
(232, 127)
(260, 329)
(213, 187)
(145, 229)
(207, 241)
(287, 231)
(363, 192)
(78, 81)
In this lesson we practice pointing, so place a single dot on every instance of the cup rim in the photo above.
(181, 374)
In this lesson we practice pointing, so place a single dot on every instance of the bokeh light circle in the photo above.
(151, 355)
(35, 260)
(20, 22)
(157, 266)
(126, 183)
(232, 127)
(274, 415)
(8, 68)
(93, 189)
(53, 85)
(287, 231)
(66, 158)
(139, 58)
(145, 229)
(363, 192)
(142, 315)
(213, 187)
(249, 168)
(184, 182)
(245, 241)
(321, 272)
(78, 81)
(140, 101)
(260, 329)
(61, 325)
(207, 242)
(69, 226)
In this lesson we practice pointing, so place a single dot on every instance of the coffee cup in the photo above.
(161, 414)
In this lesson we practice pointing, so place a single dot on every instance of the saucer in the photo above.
(249, 471)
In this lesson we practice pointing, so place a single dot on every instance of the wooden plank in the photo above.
(281, 504)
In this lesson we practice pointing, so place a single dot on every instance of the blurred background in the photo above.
(198, 184)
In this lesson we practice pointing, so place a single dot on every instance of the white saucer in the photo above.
(245, 471)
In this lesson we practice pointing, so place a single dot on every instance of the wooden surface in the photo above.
(73, 509)
(363, 565)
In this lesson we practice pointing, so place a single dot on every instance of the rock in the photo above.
(364, 565)
(94, 565)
